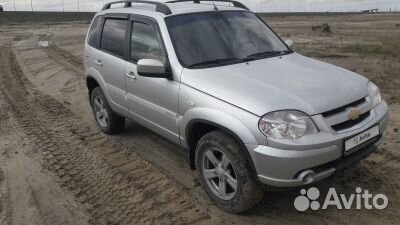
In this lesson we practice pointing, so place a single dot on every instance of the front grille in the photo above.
(338, 119)
(343, 108)
(350, 123)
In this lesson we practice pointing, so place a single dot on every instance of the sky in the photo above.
(254, 5)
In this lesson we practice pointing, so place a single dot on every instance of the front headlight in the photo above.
(288, 124)
(374, 94)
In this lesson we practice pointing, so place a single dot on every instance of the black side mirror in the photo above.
(152, 68)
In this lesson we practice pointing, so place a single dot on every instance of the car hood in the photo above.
(288, 82)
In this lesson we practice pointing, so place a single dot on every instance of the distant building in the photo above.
(1, 8)
(370, 11)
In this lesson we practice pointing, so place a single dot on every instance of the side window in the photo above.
(144, 42)
(112, 39)
(94, 31)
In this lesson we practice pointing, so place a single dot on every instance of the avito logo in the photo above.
(360, 199)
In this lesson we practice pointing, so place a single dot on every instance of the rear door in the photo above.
(93, 44)
(154, 101)
(110, 59)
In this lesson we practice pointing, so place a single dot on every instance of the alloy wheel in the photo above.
(219, 173)
(101, 112)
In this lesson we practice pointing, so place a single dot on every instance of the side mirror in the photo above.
(151, 68)
(289, 43)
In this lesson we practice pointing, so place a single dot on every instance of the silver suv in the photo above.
(215, 79)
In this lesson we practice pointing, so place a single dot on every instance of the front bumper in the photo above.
(285, 168)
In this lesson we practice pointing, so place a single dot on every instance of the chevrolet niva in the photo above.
(214, 78)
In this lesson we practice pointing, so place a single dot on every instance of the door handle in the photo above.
(131, 75)
(98, 62)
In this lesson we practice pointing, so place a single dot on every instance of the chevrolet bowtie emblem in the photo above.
(354, 114)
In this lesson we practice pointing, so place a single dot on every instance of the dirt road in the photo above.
(57, 168)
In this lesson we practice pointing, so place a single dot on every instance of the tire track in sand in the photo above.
(147, 144)
(114, 183)
(66, 59)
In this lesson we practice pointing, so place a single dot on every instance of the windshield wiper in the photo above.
(267, 53)
(215, 62)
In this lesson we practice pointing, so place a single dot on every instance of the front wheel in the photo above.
(225, 173)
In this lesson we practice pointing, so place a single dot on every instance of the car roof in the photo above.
(188, 7)
(176, 8)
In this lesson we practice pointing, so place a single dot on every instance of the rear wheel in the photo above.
(108, 121)
(225, 173)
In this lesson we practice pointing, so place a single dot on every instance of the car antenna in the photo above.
(215, 7)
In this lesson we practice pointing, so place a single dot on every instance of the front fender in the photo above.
(218, 118)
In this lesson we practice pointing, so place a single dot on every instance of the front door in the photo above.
(154, 101)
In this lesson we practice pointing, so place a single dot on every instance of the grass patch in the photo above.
(322, 55)
(388, 49)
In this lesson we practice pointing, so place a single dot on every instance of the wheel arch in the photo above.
(91, 84)
(94, 79)
(192, 138)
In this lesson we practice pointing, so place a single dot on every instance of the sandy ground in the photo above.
(57, 168)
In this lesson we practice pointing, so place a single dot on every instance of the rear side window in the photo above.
(112, 39)
(93, 39)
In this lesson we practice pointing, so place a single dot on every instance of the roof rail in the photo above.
(235, 3)
(160, 6)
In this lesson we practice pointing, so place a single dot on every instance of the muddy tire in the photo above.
(108, 121)
(225, 173)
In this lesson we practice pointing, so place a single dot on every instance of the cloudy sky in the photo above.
(255, 5)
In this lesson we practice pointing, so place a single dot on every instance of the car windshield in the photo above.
(222, 37)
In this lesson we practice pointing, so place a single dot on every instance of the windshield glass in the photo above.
(222, 37)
